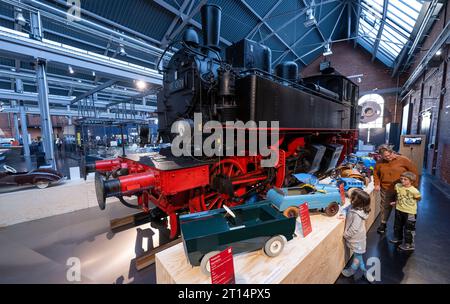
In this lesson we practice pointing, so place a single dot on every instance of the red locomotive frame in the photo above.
(189, 188)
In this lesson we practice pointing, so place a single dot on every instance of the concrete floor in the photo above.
(38, 251)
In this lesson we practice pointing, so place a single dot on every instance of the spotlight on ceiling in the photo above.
(141, 85)
(439, 52)
(71, 71)
(310, 19)
(93, 74)
(327, 50)
(121, 50)
(19, 18)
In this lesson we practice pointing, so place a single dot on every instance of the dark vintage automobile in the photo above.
(244, 228)
(41, 178)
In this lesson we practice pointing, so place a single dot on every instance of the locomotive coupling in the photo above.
(122, 186)
(88, 168)
(105, 188)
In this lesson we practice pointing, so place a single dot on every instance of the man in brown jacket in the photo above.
(386, 174)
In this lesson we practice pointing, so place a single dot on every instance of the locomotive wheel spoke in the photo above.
(230, 170)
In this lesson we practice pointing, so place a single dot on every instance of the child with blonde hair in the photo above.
(406, 211)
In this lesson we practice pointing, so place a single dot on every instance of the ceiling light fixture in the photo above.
(327, 50)
(71, 71)
(310, 18)
(19, 18)
(141, 85)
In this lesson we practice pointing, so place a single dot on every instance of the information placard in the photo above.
(305, 220)
(222, 267)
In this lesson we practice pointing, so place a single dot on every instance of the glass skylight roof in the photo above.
(400, 20)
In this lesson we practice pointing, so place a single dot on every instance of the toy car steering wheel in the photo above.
(228, 210)
(10, 169)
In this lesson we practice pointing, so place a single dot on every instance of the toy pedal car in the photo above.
(245, 228)
(349, 184)
(324, 197)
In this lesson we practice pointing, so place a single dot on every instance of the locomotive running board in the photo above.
(137, 218)
(148, 258)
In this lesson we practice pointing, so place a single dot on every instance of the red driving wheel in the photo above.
(229, 168)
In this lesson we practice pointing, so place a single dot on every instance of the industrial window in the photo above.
(372, 111)
(396, 28)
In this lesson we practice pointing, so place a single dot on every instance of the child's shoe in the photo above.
(382, 228)
(348, 272)
(395, 241)
(406, 247)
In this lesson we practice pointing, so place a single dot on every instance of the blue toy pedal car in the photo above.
(318, 196)
(349, 183)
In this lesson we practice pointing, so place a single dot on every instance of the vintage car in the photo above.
(41, 178)
(323, 197)
(244, 228)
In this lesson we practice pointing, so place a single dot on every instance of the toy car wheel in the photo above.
(291, 212)
(204, 264)
(332, 209)
(274, 246)
(42, 184)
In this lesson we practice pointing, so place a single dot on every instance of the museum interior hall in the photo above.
(224, 142)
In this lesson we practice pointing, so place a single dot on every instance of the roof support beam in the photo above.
(316, 26)
(94, 90)
(261, 23)
(301, 13)
(307, 33)
(63, 101)
(349, 19)
(167, 39)
(101, 47)
(135, 97)
(380, 30)
(439, 42)
(177, 12)
(270, 29)
(358, 18)
(429, 7)
(337, 22)
(17, 45)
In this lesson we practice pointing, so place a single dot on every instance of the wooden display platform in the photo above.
(319, 258)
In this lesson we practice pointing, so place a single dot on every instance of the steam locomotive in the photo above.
(317, 127)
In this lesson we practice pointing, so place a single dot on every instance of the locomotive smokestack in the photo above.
(211, 19)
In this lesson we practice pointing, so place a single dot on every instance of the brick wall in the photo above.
(426, 97)
(349, 61)
(33, 124)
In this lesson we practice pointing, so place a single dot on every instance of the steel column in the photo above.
(44, 107)
(23, 124)
(42, 88)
